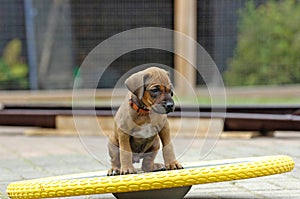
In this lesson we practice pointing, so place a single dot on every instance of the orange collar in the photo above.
(137, 108)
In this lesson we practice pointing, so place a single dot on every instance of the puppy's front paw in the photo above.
(173, 165)
(128, 170)
(113, 172)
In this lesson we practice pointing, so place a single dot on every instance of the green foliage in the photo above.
(13, 71)
(268, 48)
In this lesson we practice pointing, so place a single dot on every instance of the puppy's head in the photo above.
(153, 89)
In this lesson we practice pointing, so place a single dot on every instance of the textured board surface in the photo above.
(194, 173)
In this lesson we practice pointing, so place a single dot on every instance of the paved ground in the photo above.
(23, 157)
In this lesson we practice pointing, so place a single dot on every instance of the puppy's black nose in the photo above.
(169, 104)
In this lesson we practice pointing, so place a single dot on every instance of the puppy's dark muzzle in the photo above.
(164, 108)
(169, 106)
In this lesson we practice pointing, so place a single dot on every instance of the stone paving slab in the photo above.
(27, 157)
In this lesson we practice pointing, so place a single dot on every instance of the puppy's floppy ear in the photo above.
(136, 83)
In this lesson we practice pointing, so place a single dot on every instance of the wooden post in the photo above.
(185, 21)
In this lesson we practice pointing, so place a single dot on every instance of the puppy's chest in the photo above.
(144, 131)
(142, 138)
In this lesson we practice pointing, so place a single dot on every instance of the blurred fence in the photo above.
(55, 36)
(12, 27)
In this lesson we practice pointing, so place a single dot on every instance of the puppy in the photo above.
(141, 123)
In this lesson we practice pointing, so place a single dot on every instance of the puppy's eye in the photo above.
(171, 93)
(154, 90)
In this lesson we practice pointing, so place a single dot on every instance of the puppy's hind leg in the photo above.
(149, 157)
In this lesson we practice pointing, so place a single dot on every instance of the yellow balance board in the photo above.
(147, 185)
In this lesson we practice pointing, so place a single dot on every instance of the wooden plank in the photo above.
(86, 125)
(187, 127)
(51, 132)
(196, 127)
(240, 134)
(102, 126)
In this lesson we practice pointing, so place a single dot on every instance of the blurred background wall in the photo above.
(43, 43)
